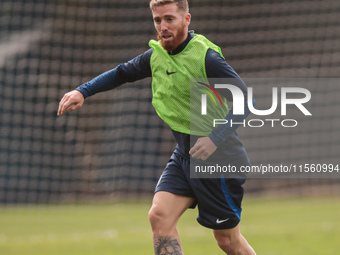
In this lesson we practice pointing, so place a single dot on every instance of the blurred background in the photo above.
(115, 147)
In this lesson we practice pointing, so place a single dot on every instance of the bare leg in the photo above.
(164, 214)
(169, 244)
(232, 242)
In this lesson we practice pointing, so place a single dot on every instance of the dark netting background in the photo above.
(115, 146)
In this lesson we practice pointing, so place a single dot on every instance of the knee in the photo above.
(156, 216)
(159, 220)
(224, 242)
(231, 245)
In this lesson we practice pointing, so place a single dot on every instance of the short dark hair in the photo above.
(181, 4)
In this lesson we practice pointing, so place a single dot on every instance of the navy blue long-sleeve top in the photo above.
(139, 68)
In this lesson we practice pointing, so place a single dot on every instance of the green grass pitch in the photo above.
(281, 226)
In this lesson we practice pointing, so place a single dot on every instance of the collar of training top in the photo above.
(183, 44)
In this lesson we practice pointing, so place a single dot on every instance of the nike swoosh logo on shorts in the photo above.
(218, 221)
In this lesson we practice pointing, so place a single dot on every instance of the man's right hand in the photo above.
(74, 98)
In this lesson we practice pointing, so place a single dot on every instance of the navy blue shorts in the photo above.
(218, 200)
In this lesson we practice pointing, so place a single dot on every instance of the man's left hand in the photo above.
(203, 148)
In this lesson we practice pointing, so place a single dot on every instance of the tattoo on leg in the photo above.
(166, 245)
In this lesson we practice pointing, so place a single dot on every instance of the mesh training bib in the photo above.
(177, 101)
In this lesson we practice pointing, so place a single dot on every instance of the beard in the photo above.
(176, 40)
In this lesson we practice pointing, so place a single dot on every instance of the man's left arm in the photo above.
(217, 67)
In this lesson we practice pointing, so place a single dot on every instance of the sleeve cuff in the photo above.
(84, 92)
(215, 139)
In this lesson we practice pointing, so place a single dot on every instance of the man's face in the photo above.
(171, 25)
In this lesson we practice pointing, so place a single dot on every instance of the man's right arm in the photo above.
(136, 69)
